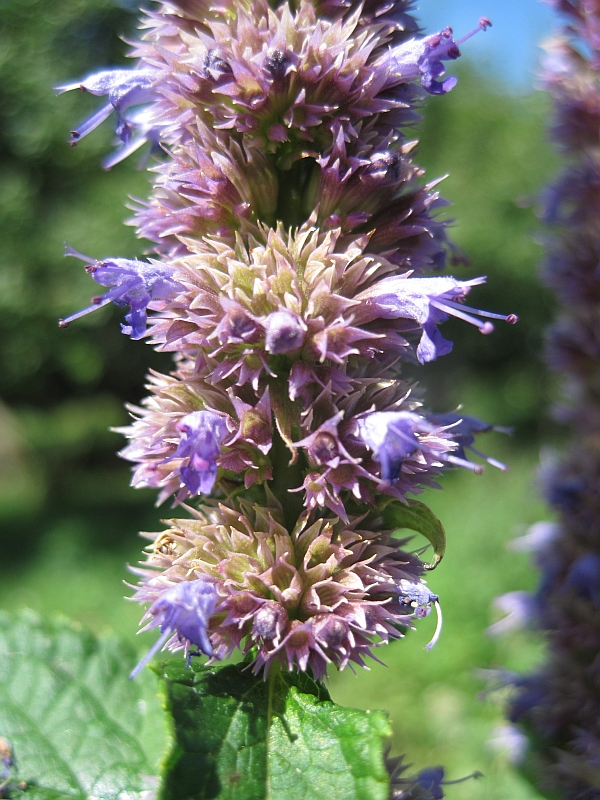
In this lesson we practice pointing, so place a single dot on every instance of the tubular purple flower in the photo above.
(422, 58)
(124, 87)
(134, 283)
(463, 429)
(392, 437)
(203, 432)
(183, 612)
(427, 301)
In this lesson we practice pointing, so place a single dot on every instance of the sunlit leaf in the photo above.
(77, 726)
(238, 737)
(418, 517)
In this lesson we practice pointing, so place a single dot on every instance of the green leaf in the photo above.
(238, 737)
(418, 517)
(78, 727)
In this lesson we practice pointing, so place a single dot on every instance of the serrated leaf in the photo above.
(418, 517)
(78, 727)
(237, 737)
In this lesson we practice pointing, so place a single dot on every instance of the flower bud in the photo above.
(269, 622)
(285, 331)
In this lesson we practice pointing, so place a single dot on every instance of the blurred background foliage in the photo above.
(68, 519)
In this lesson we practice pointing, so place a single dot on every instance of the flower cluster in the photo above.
(292, 236)
(559, 705)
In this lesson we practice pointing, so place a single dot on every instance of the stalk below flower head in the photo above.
(291, 234)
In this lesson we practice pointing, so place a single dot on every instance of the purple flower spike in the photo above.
(285, 331)
(124, 88)
(203, 432)
(134, 283)
(422, 58)
(428, 301)
(182, 610)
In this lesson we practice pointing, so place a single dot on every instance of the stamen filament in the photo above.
(91, 124)
(103, 301)
(510, 318)
(492, 461)
(448, 308)
(483, 25)
(160, 642)
(462, 462)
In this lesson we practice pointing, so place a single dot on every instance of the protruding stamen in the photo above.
(91, 124)
(455, 310)
(438, 627)
(476, 774)
(483, 25)
(160, 643)
(101, 301)
(462, 462)
(492, 461)
(459, 310)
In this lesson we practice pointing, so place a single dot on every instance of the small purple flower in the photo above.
(422, 58)
(463, 429)
(182, 610)
(537, 537)
(583, 578)
(519, 609)
(134, 283)
(203, 432)
(428, 301)
(124, 88)
(269, 622)
(236, 325)
(431, 780)
(284, 332)
(391, 435)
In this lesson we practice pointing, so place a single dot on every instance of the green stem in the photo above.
(294, 199)
(287, 476)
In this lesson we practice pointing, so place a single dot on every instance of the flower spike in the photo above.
(293, 245)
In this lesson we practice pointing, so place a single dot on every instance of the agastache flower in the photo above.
(202, 434)
(463, 429)
(422, 58)
(134, 283)
(182, 612)
(427, 301)
(124, 88)
(392, 436)
(284, 331)
(425, 785)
